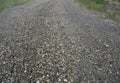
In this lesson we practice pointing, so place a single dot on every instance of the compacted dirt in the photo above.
(56, 41)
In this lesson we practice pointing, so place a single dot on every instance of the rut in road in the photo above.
(56, 41)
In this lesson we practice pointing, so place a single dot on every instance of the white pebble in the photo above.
(59, 79)
(25, 71)
(65, 80)
(4, 62)
(106, 45)
(100, 69)
(117, 72)
(38, 81)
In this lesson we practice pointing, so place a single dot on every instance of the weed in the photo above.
(74, 81)
(99, 5)
(10, 3)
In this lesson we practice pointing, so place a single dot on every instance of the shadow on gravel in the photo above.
(1, 38)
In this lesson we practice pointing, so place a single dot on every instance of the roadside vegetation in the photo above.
(102, 6)
(93, 4)
(10, 3)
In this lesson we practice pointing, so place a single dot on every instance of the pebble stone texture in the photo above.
(56, 41)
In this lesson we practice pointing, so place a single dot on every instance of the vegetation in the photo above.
(93, 4)
(9, 3)
(74, 81)
(100, 5)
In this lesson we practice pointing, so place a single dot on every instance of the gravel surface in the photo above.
(56, 41)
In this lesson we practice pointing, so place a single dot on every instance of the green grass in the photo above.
(74, 81)
(99, 5)
(10, 3)
(93, 4)
(113, 15)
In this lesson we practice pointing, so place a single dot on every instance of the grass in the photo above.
(99, 5)
(74, 81)
(113, 15)
(10, 3)
(93, 4)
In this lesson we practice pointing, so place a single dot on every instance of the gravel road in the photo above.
(56, 41)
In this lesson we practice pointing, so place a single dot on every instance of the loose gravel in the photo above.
(55, 41)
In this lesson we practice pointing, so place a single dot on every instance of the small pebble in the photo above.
(38, 81)
(47, 81)
(106, 45)
(25, 71)
(117, 72)
(100, 69)
(59, 79)
(2, 82)
(110, 65)
(65, 80)
(4, 62)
